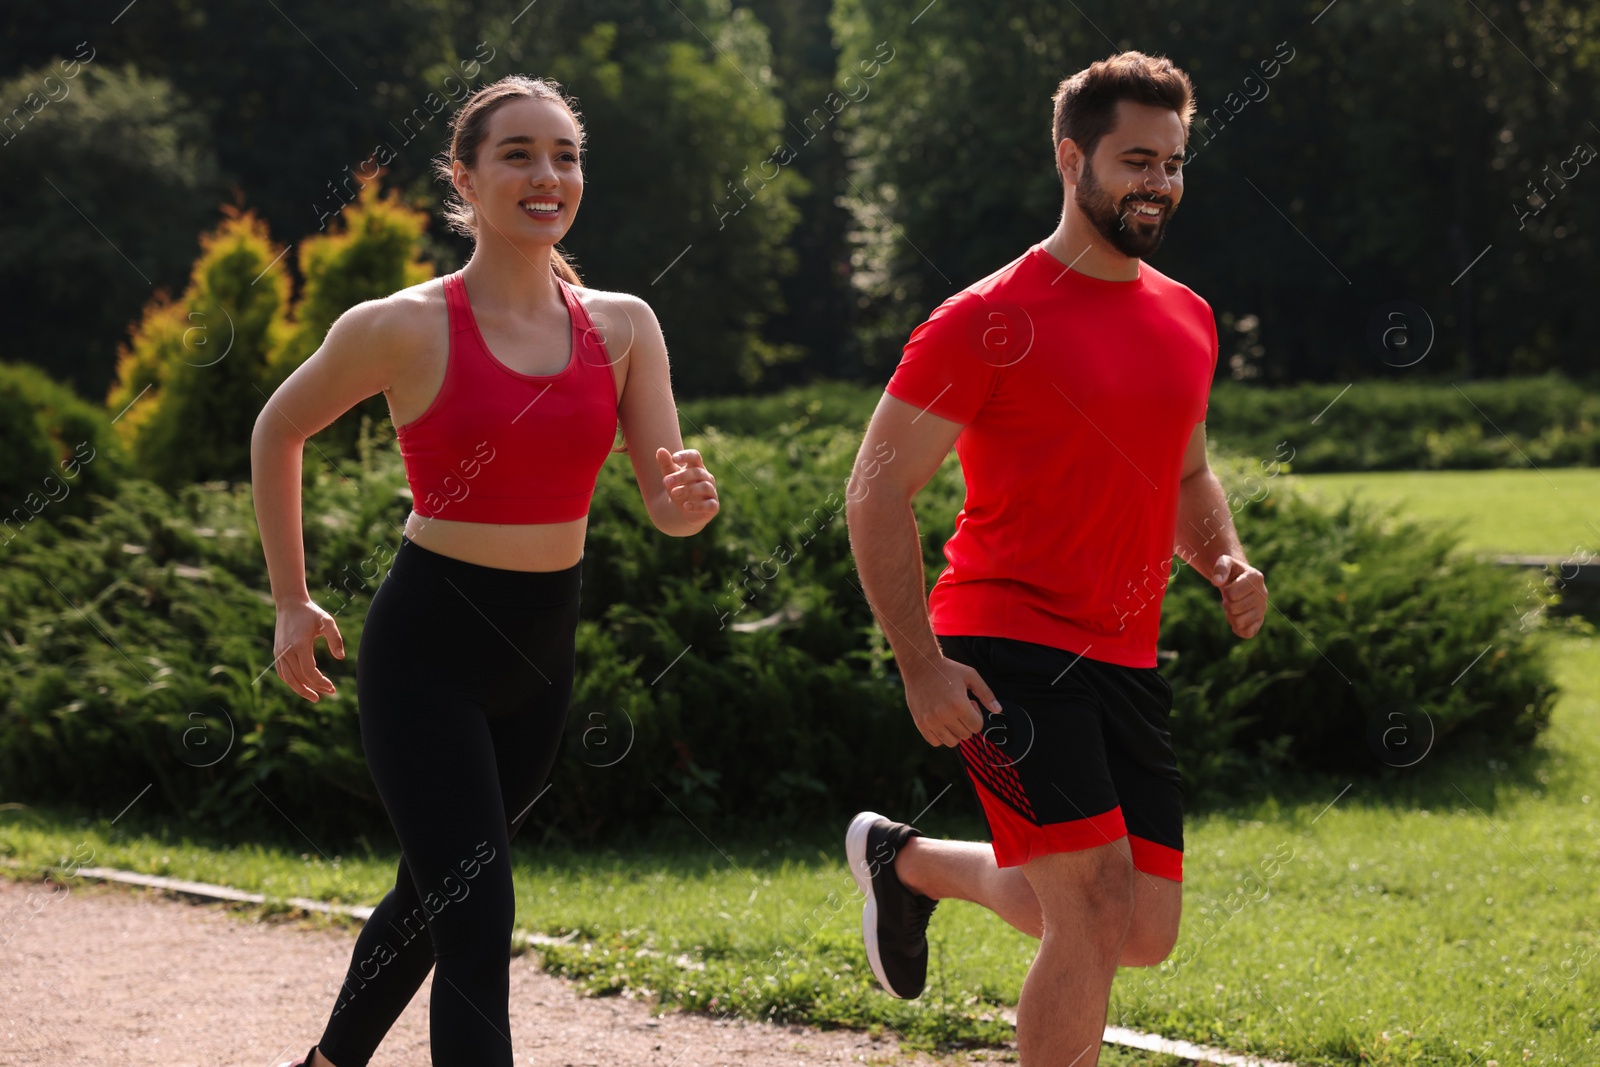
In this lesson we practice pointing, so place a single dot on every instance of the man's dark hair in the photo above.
(1086, 103)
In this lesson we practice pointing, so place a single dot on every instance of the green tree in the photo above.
(373, 250)
(291, 94)
(675, 122)
(680, 96)
(954, 176)
(106, 176)
(200, 368)
(1385, 151)
(193, 379)
(819, 299)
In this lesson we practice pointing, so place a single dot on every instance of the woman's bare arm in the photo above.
(356, 360)
(677, 489)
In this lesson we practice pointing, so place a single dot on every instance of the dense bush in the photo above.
(153, 666)
(820, 404)
(731, 673)
(1369, 653)
(1547, 421)
(55, 449)
(133, 647)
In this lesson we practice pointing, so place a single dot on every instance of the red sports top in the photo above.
(500, 446)
(1078, 397)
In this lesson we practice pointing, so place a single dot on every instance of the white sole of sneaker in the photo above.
(855, 850)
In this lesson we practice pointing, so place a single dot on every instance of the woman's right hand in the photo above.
(294, 647)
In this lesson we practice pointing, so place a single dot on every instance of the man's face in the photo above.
(1131, 187)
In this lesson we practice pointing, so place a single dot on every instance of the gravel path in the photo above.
(108, 975)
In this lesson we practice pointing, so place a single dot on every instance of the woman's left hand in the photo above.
(689, 485)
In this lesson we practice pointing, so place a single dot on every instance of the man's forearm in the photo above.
(888, 553)
(1205, 523)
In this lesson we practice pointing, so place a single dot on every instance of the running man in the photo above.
(1073, 384)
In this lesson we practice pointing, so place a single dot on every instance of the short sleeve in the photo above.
(1216, 350)
(943, 367)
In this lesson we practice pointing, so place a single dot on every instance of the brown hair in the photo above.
(1086, 103)
(470, 125)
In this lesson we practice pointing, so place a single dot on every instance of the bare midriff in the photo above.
(543, 546)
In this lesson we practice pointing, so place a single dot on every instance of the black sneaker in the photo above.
(894, 922)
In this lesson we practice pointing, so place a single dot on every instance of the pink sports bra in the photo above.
(500, 446)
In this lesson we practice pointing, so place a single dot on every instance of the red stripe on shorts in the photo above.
(985, 763)
(1159, 860)
(1016, 840)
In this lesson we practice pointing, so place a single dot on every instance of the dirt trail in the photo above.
(109, 975)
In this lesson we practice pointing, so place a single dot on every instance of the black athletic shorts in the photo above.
(1079, 756)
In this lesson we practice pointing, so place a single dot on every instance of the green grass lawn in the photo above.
(1519, 512)
(1445, 915)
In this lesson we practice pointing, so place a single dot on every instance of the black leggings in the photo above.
(463, 677)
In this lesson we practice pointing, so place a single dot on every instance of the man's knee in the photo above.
(1158, 907)
(1092, 888)
(1150, 941)
(1110, 893)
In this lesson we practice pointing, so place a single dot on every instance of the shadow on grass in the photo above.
(1473, 773)
(1470, 774)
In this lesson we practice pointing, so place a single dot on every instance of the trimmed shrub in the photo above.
(1547, 421)
(195, 372)
(734, 673)
(1375, 425)
(373, 250)
(1370, 653)
(202, 366)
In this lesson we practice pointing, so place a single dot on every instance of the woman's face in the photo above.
(527, 182)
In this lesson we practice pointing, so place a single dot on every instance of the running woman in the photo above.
(506, 381)
(1073, 383)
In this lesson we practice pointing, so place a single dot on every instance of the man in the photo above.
(1073, 384)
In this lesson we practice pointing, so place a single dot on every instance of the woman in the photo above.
(506, 382)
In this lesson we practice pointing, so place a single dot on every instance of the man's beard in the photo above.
(1130, 236)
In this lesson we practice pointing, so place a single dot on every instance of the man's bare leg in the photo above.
(966, 870)
(1086, 901)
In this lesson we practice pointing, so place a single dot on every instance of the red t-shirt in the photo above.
(1078, 397)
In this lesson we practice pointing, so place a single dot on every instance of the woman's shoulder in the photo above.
(414, 305)
(624, 322)
(404, 319)
(615, 303)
